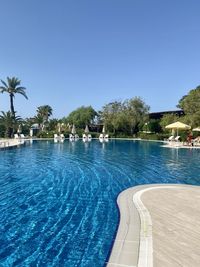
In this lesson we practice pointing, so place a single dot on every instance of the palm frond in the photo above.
(20, 91)
(2, 89)
(4, 83)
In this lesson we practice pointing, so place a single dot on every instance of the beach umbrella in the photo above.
(19, 130)
(73, 129)
(31, 132)
(178, 126)
(86, 129)
(196, 129)
(59, 127)
(62, 126)
(68, 126)
(173, 132)
(103, 130)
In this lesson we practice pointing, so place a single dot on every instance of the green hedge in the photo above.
(153, 136)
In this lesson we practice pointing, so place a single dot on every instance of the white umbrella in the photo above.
(178, 126)
(19, 130)
(73, 129)
(196, 129)
(59, 127)
(103, 130)
(86, 129)
(31, 132)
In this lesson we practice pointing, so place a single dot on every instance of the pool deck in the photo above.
(159, 226)
(5, 143)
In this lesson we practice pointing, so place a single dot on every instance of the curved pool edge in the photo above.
(9, 143)
(133, 245)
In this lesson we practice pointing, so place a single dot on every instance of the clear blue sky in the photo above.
(69, 53)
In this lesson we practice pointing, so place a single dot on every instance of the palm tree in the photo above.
(9, 122)
(12, 87)
(39, 120)
(44, 112)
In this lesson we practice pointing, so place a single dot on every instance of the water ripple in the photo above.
(58, 201)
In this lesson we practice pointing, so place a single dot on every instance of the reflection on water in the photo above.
(58, 200)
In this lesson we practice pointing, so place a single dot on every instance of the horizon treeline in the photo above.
(126, 118)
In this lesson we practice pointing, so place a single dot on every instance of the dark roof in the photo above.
(159, 115)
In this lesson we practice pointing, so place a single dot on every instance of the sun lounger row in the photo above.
(103, 138)
(59, 138)
(196, 141)
(18, 136)
(75, 137)
(172, 138)
(175, 141)
(87, 138)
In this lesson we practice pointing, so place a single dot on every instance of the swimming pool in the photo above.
(58, 201)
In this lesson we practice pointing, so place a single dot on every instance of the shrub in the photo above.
(153, 136)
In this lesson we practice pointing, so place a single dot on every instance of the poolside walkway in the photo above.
(4, 143)
(159, 227)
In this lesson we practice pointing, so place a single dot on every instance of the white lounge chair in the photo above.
(71, 137)
(106, 138)
(196, 141)
(89, 137)
(76, 137)
(171, 138)
(22, 136)
(16, 136)
(56, 138)
(85, 138)
(177, 138)
(62, 136)
(101, 136)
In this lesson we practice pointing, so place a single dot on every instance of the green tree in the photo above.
(39, 120)
(153, 126)
(168, 119)
(13, 87)
(81, 116)
(9, 122)
(53, 124)
(27, 123)
(137, 113)
(190, 104)
(127, 116)
(113, 116)
(43, 114)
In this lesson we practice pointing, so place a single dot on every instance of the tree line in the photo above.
(126, 118)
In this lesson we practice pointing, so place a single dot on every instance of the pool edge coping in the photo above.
(145, 244)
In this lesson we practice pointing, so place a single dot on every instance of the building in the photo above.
(159, 115)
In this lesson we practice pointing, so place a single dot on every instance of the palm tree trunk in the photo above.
(8, 132)
(12, 106)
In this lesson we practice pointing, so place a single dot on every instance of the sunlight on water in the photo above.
(58, 201)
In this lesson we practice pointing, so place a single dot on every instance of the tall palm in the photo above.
(12, 87)
(45, 112)
(9, 122)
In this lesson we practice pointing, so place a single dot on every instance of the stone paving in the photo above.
(10, 142)
(159, 227)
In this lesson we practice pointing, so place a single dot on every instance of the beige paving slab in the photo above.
(159, 226)
(175, 214)
(128, 232)
(10, 142)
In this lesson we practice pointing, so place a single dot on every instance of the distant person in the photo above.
(189, 139)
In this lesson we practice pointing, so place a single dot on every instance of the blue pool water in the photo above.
(58, 201)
